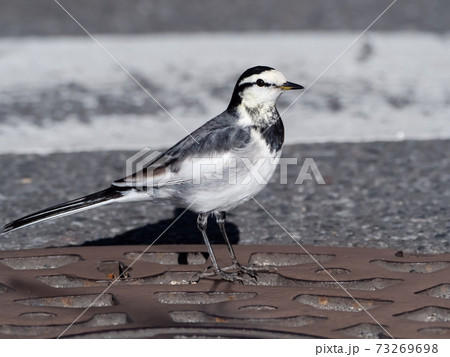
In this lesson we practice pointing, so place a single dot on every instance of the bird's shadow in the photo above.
(183, 231)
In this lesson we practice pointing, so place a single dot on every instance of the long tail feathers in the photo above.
(64, 209)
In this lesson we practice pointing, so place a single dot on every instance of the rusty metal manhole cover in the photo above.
(42, 292)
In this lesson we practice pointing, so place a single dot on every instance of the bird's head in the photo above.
(260, 86)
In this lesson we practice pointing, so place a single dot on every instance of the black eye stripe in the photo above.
(265, 84)
(243, 86)
(246, 85)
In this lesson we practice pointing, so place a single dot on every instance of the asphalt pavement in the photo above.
(376, 194)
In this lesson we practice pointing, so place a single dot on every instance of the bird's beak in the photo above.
(290, 86)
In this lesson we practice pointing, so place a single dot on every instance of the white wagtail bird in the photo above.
(248, 130)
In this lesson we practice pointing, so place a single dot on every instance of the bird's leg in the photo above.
(221, 217)
(202, 222)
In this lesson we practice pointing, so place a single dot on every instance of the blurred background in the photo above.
(392, 84)
(66, 105)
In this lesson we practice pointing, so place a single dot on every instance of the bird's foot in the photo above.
(250, 270)
(205, 274)
(228, 276)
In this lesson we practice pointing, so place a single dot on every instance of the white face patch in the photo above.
(265, 96)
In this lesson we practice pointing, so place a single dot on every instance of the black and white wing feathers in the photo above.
(217, 136)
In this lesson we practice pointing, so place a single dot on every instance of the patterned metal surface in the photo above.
(48, 292)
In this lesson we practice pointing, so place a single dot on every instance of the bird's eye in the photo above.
(260, 83)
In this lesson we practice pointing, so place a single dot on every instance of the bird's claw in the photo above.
(250, 270)
(228, 276)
